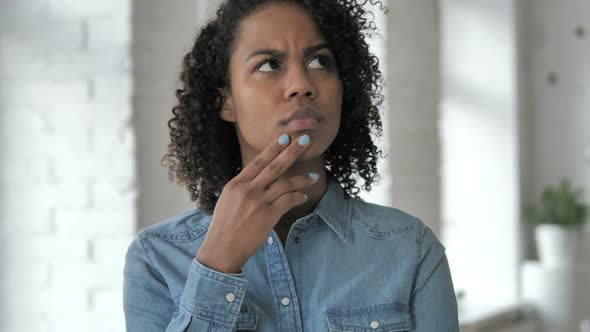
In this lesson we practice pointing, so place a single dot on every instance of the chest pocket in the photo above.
(384, 317)
(247, 319)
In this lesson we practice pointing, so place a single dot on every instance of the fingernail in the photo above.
(303, 140)
(305, 200)
(283, 139)
(314, 176)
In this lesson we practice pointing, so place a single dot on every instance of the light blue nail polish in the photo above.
(303, 140)
(283, 139)
(314, 176)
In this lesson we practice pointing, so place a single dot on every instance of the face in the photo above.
(281, 69)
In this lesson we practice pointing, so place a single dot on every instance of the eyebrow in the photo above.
(280, 54)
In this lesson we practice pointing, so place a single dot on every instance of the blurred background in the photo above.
(488, 106)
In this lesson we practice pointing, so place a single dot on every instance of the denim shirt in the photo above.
(347, 266)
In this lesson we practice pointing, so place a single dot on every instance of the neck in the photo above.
(314, 192)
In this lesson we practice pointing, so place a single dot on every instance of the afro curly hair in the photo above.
(204, 152)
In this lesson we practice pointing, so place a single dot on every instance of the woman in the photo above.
(272, 128)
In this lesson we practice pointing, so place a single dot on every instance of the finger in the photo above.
(281, 163)
(292, 184)
(288, 201)
(253, 168)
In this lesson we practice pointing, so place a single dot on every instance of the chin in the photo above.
(311, 153)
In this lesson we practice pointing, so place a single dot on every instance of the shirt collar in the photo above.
(334, 208)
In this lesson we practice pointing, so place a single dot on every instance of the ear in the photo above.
(227, 109)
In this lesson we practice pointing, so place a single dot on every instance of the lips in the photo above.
(302, 123)
(302, 118)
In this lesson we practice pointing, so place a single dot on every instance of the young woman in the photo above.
(272, 129)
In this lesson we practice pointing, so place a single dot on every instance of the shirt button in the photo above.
(298, 239)
(270, 240)
(285, 301)
(374, 325)
(230, 297)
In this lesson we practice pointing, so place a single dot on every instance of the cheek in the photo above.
(332, 105)
(255, 121)
(249, 104)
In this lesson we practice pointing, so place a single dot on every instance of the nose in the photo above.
(300, 84)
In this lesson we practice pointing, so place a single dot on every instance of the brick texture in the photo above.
(67, 171)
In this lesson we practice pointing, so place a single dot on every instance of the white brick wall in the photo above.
(67, 168)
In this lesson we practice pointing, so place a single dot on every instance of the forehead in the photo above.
(278, 26)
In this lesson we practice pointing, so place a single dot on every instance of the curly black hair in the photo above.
(204, 153)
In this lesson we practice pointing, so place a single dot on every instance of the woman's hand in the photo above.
(251, 204)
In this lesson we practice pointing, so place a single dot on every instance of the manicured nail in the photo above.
(303, 140)
(283, 139)
(314, 176)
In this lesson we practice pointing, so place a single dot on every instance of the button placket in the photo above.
(280, 278)
(285, 301)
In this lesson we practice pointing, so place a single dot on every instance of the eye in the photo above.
(320, 62)
(268, 65)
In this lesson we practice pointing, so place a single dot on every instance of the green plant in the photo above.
(559, 205)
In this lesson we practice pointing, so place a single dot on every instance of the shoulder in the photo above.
(171, 242)
(184, 227)
(393, 228)
(160, 254)
(383, 221)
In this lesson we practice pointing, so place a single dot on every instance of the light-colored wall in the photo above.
(507, 130)
(555, 60)
(67, 167)
(480, 146)
(163, 33)
(413, 91)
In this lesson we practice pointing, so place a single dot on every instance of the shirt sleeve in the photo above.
(433, 302)
(210, 301)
